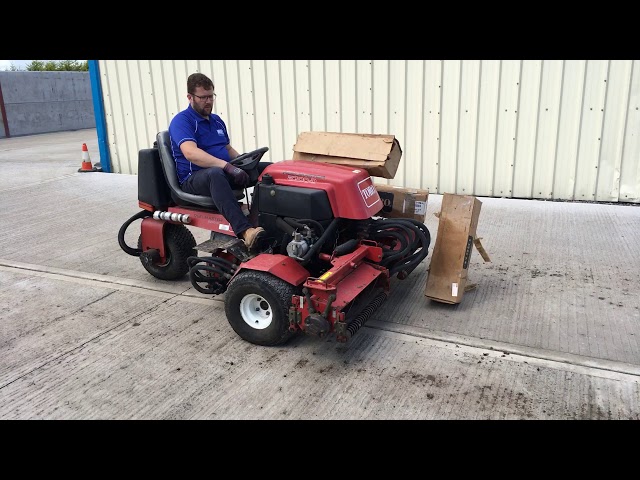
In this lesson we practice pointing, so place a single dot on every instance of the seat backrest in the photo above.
(169, 168)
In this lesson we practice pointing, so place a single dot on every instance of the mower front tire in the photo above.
(257, 307)
(179, 245)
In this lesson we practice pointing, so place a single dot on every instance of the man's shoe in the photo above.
(251, 236)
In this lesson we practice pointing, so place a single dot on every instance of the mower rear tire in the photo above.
(257, 307)
(179, 245)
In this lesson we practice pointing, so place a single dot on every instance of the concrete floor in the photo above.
(552, 330)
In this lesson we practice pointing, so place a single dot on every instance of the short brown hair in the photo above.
(198, 80)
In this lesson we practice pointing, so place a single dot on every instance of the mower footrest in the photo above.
(219, 241)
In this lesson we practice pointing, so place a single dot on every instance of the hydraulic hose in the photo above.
(221, 262)
(282, 224)
(333, 226)
(135, 252)
(412, 261)
(391, 255)
(222, 267)
(315, 223)
(294, 223)
(403, 237)
(419, 239)
(346, 247)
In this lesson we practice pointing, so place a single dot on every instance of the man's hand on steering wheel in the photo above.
(249, 160)
(240, 177)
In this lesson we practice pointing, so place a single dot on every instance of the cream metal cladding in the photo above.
(549, 129)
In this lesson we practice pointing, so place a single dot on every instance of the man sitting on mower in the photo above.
(202, 151)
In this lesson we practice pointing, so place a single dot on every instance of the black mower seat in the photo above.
(169, 169)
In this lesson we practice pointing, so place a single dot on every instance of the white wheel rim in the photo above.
(256, 311)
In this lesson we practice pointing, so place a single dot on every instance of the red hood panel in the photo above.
(351, 191)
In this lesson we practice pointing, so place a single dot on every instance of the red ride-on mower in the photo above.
(323, 266)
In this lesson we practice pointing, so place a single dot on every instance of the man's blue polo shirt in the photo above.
(210, 134)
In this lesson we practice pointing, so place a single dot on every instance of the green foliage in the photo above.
(35, 66)
(56, 66)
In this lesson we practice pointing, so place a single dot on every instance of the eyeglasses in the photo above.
(205, 97)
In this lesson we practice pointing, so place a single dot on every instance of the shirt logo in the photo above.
(220, 132)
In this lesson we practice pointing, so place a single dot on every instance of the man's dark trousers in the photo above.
(215, 183)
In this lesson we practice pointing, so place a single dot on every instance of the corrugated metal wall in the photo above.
(550, 129)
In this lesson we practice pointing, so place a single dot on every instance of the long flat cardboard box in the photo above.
(378, 154)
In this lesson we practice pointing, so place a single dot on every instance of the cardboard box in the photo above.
(447, 280)
(378, 154)
(400, 202)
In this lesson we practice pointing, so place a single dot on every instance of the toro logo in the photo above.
(368, 192)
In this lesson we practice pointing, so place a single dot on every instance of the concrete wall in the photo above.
(43, 102)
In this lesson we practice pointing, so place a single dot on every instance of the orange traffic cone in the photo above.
(86, 161)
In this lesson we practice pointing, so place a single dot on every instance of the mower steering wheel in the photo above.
(249, 160)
